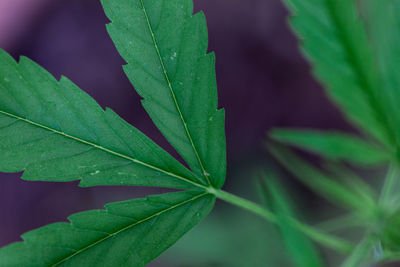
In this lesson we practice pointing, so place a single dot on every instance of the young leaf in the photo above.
(302, 251)
(361, 255)
(333, 38)
(55, 132)
(333, 145)
(165, 47)
(129, 233)
(389, 197)
(342, 222)
(322, 183)
(350, 179)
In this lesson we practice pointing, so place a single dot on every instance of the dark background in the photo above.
(263, 82)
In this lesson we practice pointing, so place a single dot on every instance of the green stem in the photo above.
(246, 204)
(316, 235)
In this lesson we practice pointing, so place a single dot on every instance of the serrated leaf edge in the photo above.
(205, 173)
(128, 227)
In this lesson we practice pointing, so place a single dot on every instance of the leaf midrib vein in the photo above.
(173, 93)
(127, 228)
(103, 149)
(364, 83)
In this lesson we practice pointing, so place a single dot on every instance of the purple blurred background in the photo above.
(263, 82)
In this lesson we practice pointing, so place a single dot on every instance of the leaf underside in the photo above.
(129, 233)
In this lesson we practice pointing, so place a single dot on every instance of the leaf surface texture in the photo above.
(165, 47)
(129, 233)
(55, 132)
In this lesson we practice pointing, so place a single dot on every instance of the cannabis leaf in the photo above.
(165, 48)
(303, 253)
(353, 49)
(382, 26)
(129, 233)
(324, 183)
(334, 39)
(333, 145)
(53, 131)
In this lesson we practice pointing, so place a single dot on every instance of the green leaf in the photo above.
(383, 30)
(390, 235)
(322, 183)
(350, 179)
(165, 47)
(334, 40)
(333, 145)
(361, 255)
(53, 131)
(129, 233)
(303, 253)
(389, 197)
(341, 223)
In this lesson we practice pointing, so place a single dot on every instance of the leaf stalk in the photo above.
(316, 235)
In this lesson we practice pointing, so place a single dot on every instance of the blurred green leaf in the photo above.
(350, 179)
(390, 202)
(341, 222)
(334, 40)
(389, 198)
(353, 49)
(391, 233)
(301, 250)
(230, 233)
(322, 183)
(333, 145)
(382, 22)
(362, 254)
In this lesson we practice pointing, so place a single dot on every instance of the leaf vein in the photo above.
(173, 94)
(105, 149)
(129, 227)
